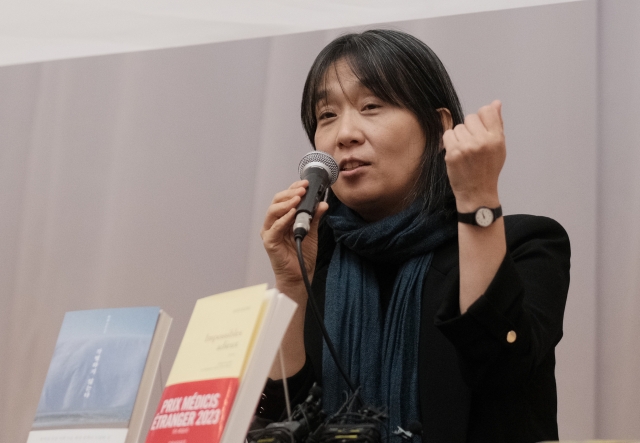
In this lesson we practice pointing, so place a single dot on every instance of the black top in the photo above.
(475, 384)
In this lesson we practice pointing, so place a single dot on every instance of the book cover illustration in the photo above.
(96, 368)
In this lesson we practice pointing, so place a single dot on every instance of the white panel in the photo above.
(39, 30)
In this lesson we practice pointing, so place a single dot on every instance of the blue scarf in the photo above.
(380, 356)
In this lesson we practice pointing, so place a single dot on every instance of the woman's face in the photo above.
(378, 146)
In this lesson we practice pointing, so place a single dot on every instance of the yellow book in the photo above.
(221, 367)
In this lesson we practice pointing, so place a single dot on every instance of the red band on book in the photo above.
(193, 412)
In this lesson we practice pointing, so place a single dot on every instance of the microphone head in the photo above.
(319, 159)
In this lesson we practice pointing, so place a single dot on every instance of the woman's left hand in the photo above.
(475, 154)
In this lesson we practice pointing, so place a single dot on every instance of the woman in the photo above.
(442, 310)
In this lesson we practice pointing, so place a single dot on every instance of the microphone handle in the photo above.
(318, 179)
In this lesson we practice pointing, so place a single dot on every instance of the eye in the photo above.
(370, 106)
(324, 115)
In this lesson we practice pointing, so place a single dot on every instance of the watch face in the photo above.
(484, 217)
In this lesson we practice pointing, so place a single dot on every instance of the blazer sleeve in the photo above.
(505, 335)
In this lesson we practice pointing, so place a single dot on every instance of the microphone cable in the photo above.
(316, 314)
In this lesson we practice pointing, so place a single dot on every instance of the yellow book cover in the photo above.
(211, 360)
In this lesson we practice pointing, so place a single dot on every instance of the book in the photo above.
(221, 367)
(102, 376)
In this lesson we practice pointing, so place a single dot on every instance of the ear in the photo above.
(447, 120)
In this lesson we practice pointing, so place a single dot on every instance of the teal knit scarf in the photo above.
(382, 360)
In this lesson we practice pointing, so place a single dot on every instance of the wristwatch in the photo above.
(482, 216)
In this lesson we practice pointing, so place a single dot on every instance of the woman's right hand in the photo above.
(277, 237)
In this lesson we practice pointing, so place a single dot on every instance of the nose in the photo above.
(349, 131)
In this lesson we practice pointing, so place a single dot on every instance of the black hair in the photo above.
(403, 71)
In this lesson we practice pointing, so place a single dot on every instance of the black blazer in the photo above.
(476, 383)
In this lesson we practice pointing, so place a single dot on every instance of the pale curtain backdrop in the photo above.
(143, 178)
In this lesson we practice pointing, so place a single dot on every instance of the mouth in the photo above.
(351, 164)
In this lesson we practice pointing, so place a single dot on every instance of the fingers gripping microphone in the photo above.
(322, 171)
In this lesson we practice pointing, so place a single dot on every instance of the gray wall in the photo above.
(142, 179)
(618, 253)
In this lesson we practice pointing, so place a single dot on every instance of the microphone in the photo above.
(322, 171)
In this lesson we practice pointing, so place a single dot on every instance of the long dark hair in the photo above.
(403, 71)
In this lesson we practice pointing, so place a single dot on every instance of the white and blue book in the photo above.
(102, 376)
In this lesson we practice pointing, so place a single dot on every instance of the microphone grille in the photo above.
(320, 157)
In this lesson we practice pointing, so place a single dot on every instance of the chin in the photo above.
(364, 208)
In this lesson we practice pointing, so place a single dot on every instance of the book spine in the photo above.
(193, 412)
